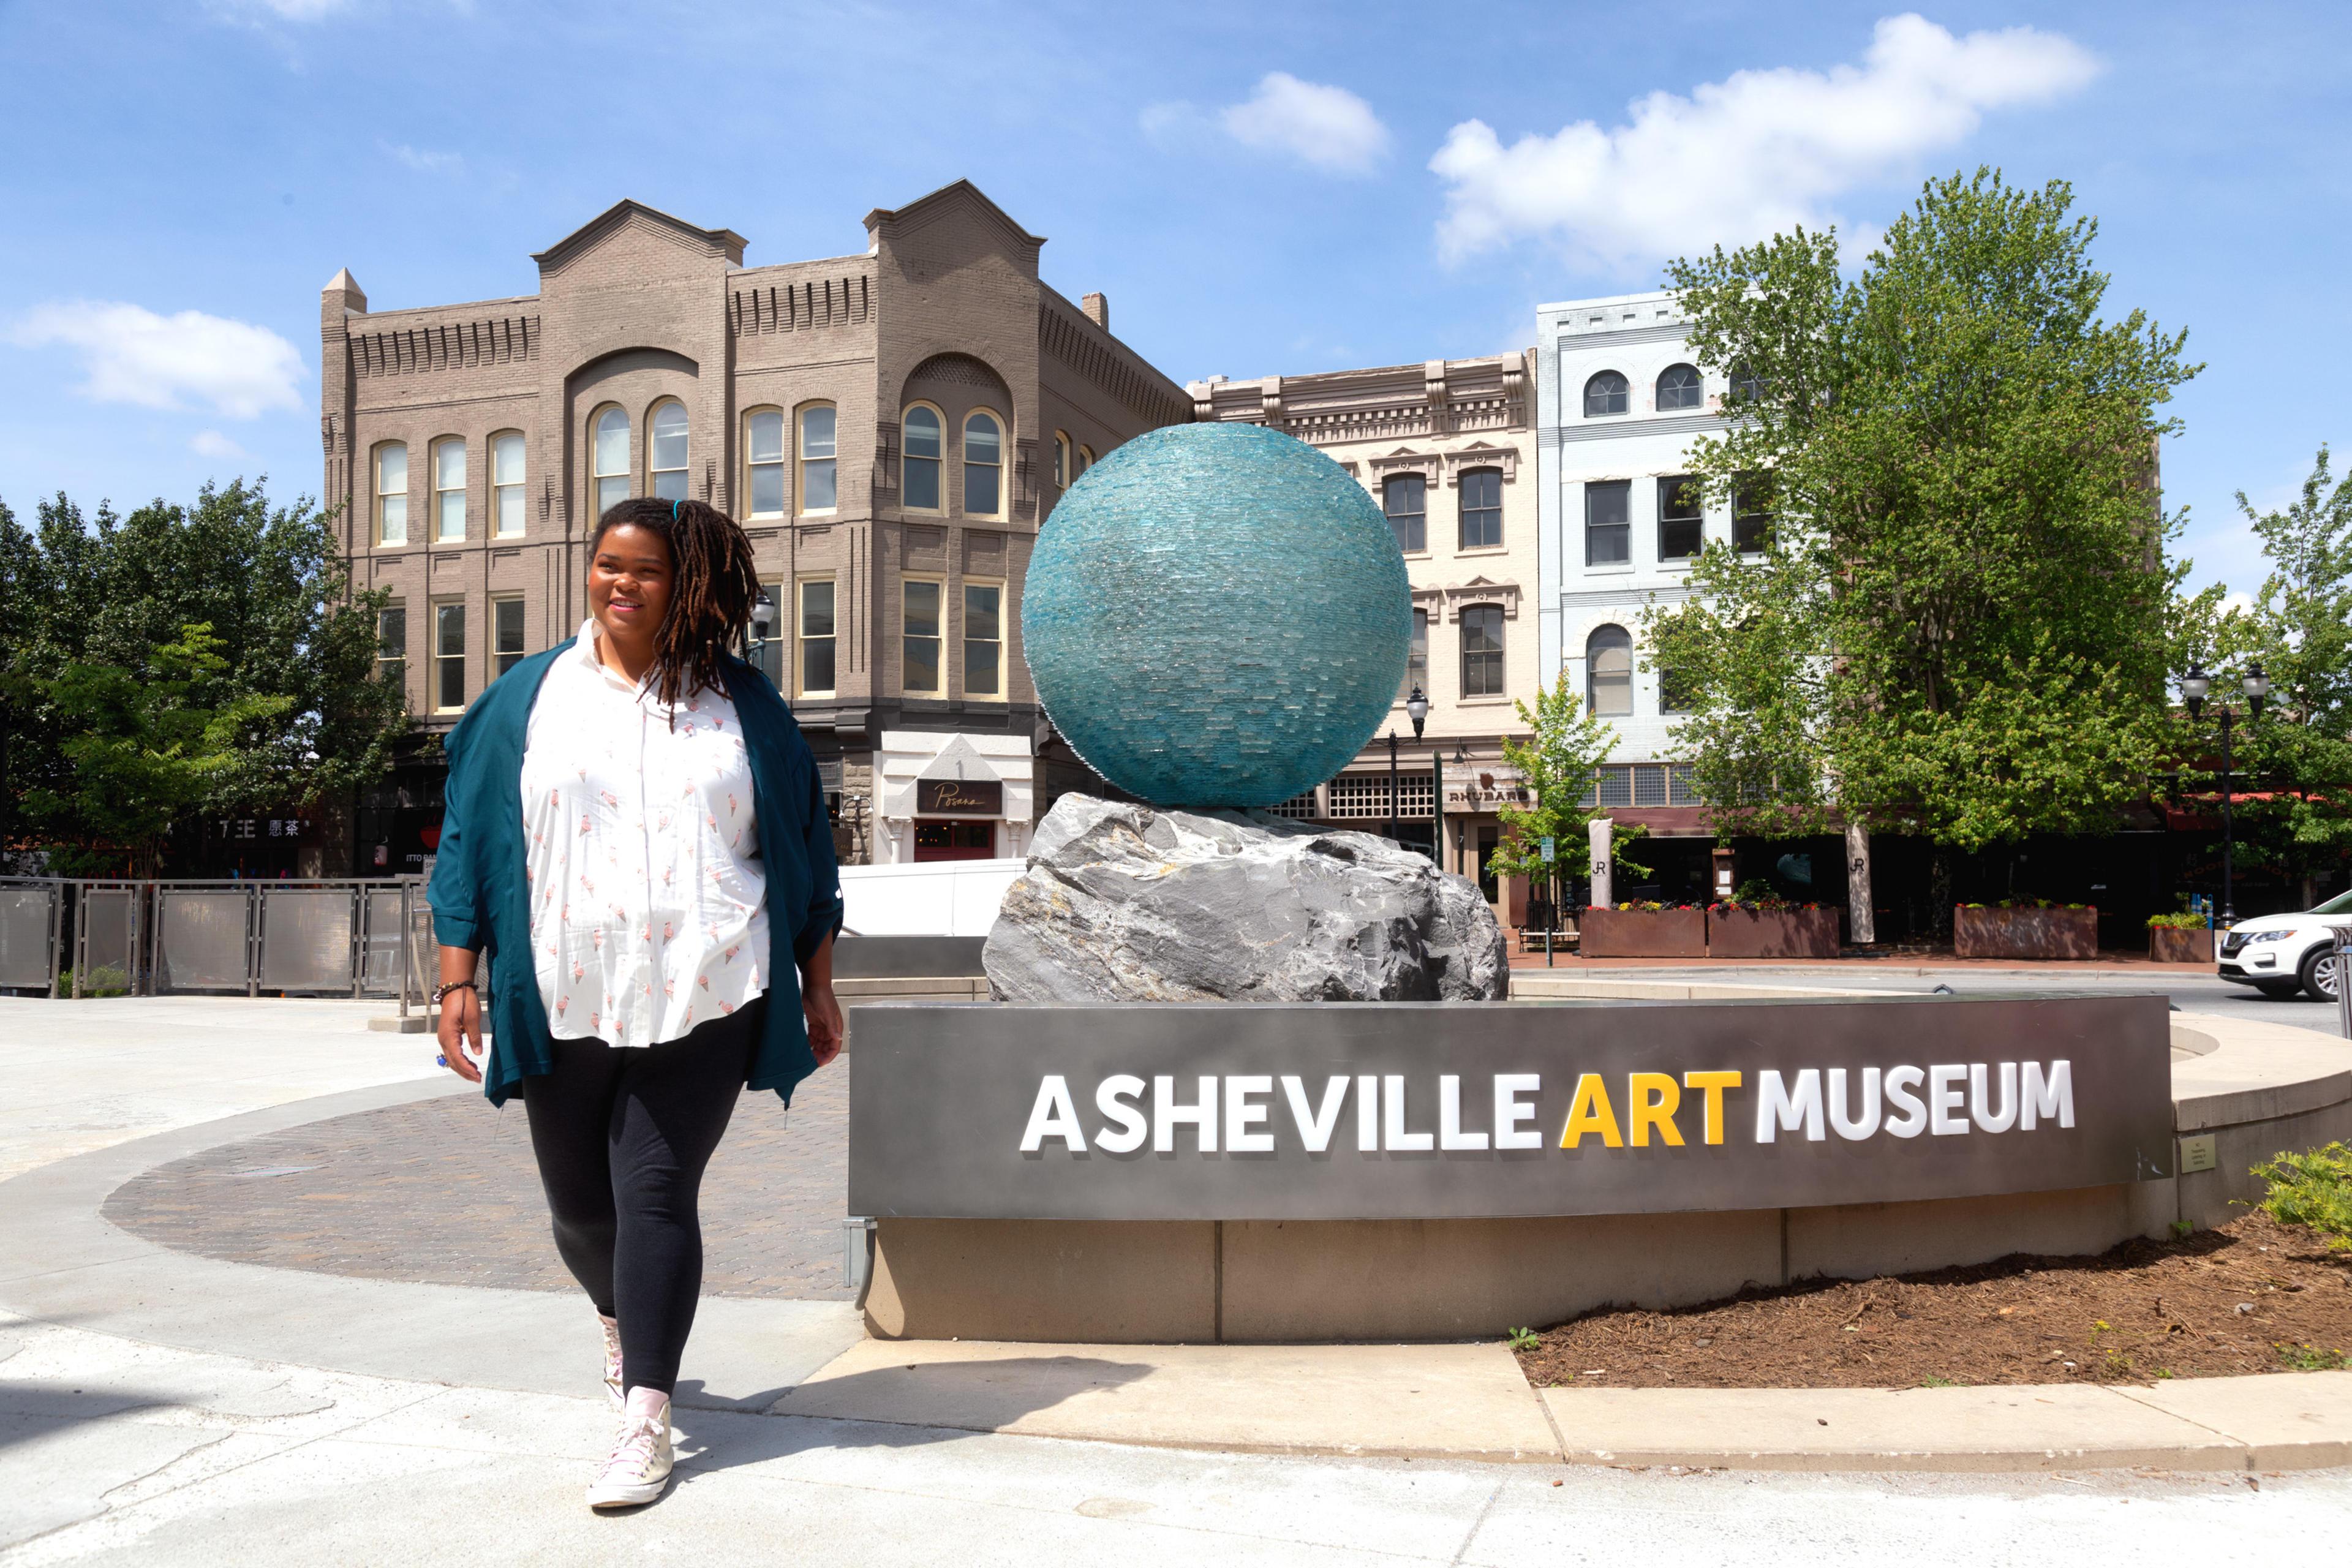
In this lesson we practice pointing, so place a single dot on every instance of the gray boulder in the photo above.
(1128, 903)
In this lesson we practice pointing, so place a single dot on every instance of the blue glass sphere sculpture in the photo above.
(1217, 616)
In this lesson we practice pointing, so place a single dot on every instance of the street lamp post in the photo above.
(763, 617)
(1416, 708)
(2194, 686)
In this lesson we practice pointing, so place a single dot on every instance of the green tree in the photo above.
(141, 750)
(109, 592)
(1559, 762)
(2300, 631)
(1958, 625)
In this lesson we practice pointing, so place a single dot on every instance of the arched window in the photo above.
(818, 491)
(1604, 394)
(506, 484)
(610, 460)
(666, 453)
(1679, 387)
(1086, 459)
(1405, 498)
(1609, 672)
(919, 476)
(1482, 509)
(764, 462)
(1062, 474)
(1482, 650)
(983, 466)
(449, 489)
(391, 493)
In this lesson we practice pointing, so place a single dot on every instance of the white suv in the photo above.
(2282, 954)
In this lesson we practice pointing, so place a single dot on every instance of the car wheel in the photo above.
(2320, 974)
(2279, 990)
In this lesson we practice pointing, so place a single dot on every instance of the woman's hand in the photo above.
(819, 1006)
(823, 1011)
(461, 1015)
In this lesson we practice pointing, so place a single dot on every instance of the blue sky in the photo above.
(1259, 188)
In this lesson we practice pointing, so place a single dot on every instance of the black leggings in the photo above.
(622, 1136)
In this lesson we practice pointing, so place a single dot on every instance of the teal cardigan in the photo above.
(481, 898)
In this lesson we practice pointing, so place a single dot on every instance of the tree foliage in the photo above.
(1559, 762)
(100, 657)
(2299, 629)
(1957, 626)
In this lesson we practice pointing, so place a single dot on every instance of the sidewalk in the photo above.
(1910, 963)
(157, 1406)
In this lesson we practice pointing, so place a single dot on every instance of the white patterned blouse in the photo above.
(648, 906)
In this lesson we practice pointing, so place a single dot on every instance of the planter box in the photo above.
(2025, 933)
(2170, 944)
(1772, 933)
(1642, 934)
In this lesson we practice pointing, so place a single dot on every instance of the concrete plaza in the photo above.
(199, 1362)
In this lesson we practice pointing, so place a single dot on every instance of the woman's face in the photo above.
(629, 583)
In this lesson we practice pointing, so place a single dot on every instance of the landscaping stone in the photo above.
(1125, 902)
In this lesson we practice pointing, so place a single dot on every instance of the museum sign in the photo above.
(1383, 1110)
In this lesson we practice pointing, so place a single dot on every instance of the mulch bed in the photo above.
(2254, 1295)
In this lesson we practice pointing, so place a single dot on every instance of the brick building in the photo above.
(1447, 450)
(891, 428)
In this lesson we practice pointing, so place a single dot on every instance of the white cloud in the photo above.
(213, 443)
(1743, 158)
(1324, 128)
(130, 354)
(424, 163)
(2237, 602)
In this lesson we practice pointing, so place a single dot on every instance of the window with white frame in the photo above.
(392, 645)
(448, 657)
(1405, 498)
(814, 629)
(1086, 459)
(1416, 661)
(1609, 674)
(1608, 522)
(1679, 388)
(1482, 509)
(918, 468)
(1682, 521)
(609, 461)
(449, 489)
(983, 466)
(920, 670)
(1605, 395)
(1751, 514)
(983, 639)
(505, 635)
(506, 484)
(1062, 475)
(665, 456)
(391, 493)
(818, 491)
(1482, 650)
(763, 462)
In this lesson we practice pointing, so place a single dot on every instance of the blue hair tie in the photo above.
(673, 510)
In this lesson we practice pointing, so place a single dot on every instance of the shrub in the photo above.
(2181, 922)
(103, 980)
(2313, 1190)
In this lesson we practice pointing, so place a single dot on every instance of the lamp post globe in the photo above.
(763, 616)
(2257, 687)
(1417, 708)
(2194, 686)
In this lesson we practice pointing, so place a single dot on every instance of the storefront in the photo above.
(952, 796)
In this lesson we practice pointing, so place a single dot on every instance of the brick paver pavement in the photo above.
(444, 1191)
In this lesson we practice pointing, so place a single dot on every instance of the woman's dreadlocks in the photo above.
(712, 587)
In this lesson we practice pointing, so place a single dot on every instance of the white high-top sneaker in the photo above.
(639, 1467)
(612, 1361)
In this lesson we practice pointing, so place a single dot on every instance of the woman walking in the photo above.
(635, 811)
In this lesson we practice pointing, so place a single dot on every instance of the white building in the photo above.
(1619, 400)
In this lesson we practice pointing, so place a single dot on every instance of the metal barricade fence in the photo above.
(141, 937)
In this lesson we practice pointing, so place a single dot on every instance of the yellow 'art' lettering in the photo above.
(1651, 1098)
(1712, 1084)
(1590, 1112)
